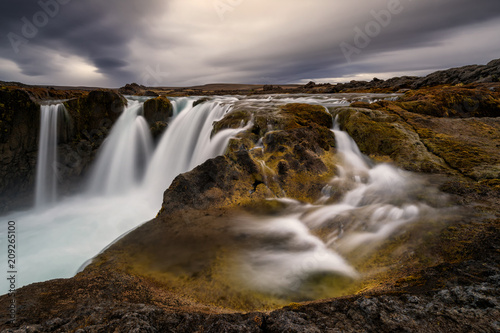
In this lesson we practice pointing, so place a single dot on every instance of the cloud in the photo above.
(188, 42)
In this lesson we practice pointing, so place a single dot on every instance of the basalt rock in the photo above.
(434, 130)
(157, 112)
(19, 128)
(387, 137)
(157, 109)
(100, 108)
(462, 75)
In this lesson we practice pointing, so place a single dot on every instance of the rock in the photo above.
(157, 112)
(462, 75)
(158, 109)
(380, 133)
(310, 85)
(19, 127)
(150, 93)
(100, 108)
(132, 89)
(453, 102)
(269, 88)
(200, 101)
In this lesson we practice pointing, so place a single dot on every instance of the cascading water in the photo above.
(188, 143)
(46, 172)
(124, 154)
(377, 201)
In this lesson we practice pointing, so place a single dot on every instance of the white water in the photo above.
(376, 203)
(187, 143)
(124, 154)
(46, 171)
(126, 189)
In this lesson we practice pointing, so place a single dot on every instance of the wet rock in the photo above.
(200, 101)
(81, 132)
(380, 133)
(158, 109)
(19, 127)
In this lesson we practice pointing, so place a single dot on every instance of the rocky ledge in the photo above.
(174, 273)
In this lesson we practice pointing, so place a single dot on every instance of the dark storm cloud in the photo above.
(183, 42)
(98, 32)
(110, 63)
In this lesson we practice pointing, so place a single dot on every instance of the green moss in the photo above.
(232, 120)
(460, 155)
(452, 101)
(299, 115)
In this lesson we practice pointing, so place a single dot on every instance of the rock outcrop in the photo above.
(433, 130)
(157, 112)
(489, 73)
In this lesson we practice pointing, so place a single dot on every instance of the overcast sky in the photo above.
(189, 42)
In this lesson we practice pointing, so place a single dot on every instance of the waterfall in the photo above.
(124, 154)
(46, 172)
(187, 143)
(377, 201)
(127, 181)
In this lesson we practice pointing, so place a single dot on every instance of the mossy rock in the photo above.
(158, 109)
(299, 115)
(452, 101)
(233, 119)
(385, 136)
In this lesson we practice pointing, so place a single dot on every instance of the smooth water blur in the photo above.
(314, 239)
(128, 146)
(46, 167)
(129, 177)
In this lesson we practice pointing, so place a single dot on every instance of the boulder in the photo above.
(158, 109)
